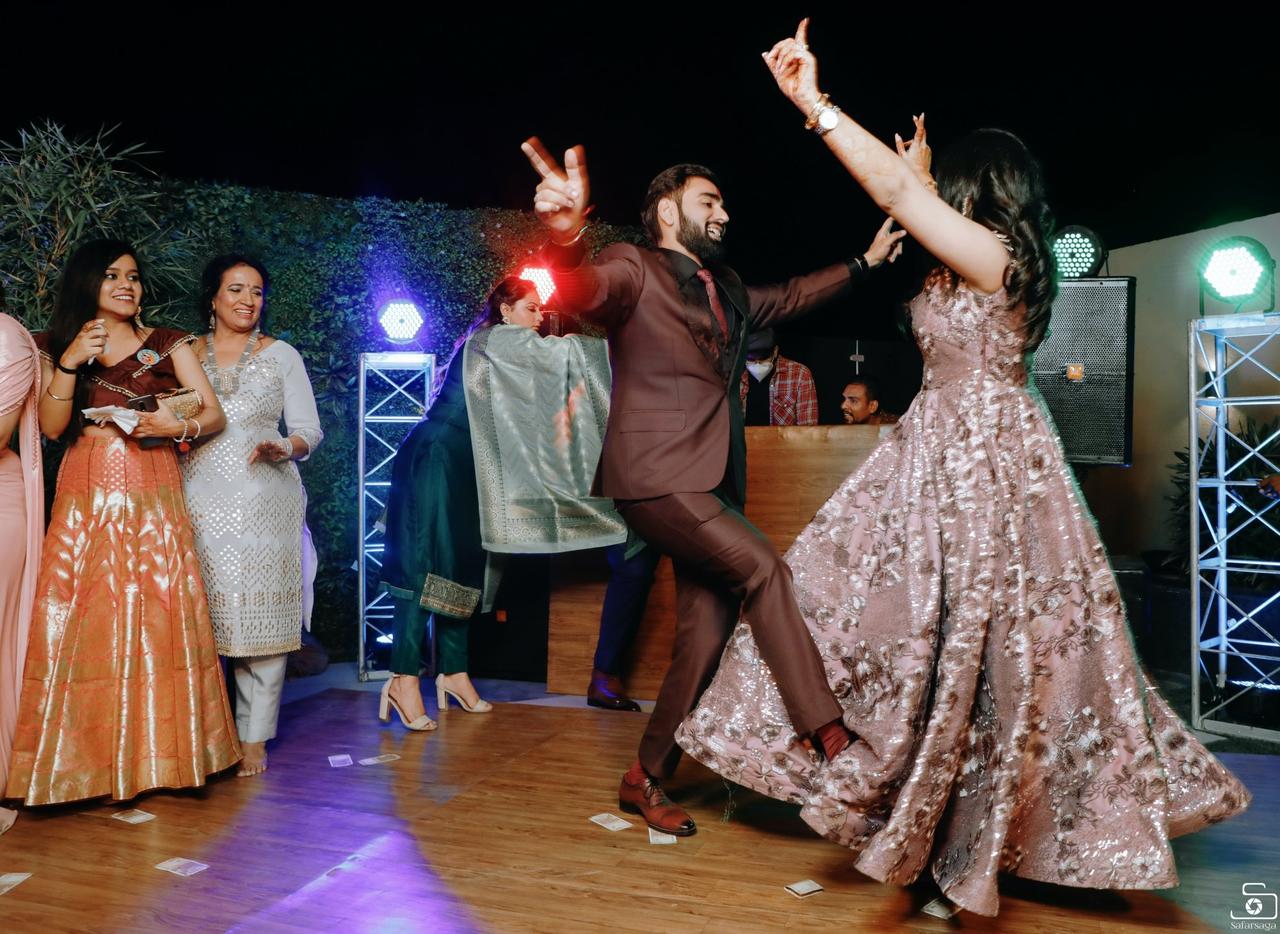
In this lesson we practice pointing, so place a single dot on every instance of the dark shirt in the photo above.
(694, 291)
(758, 400)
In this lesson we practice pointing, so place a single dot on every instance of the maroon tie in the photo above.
(713, 297)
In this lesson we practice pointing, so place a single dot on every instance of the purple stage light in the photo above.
(401, 321)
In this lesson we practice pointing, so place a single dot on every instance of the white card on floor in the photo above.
(338, 762)
(182, 867)
(376, 760)
(133, 816)
(9, 880)
(940, 908)
(804, 888)
(658, 838)
(610, 822)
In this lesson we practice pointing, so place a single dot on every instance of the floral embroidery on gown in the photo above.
(973, 631)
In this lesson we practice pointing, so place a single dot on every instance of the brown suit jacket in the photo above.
(671, 427)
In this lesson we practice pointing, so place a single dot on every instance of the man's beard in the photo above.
(694, 239)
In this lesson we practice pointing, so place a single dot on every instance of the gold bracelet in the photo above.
(49, 392)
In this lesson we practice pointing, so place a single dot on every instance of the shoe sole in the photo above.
(633, 809)
(603, 706)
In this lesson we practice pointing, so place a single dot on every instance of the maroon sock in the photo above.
(833, 737)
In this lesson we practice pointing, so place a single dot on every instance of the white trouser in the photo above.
(259, 681)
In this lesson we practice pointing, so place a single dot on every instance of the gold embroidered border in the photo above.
(184, 339)
(113, 387)
(441, 595)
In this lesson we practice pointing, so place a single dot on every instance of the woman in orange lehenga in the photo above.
(122, 690)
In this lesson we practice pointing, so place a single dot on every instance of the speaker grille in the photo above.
(1091, 326)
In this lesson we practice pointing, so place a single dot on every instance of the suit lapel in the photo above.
(701, 323)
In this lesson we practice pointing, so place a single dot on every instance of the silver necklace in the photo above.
(227, 382)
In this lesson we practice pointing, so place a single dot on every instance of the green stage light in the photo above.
(1078, 251)
(1236, 269)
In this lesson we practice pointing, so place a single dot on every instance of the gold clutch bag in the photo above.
(183, 403)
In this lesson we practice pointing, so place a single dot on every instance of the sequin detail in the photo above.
(973, 632)
(248, 517)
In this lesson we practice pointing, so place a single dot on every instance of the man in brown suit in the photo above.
(674, 454)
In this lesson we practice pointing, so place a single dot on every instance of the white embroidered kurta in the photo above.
(249, 518)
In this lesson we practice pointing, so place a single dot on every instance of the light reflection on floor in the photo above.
(386, 881)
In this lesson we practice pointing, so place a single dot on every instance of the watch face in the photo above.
(828, 119)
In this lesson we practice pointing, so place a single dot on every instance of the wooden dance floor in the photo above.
(483, 825)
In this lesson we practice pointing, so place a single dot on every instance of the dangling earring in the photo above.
(967, 208)
(212, 321)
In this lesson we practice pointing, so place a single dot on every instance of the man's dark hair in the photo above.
(670, 184)
(867, 383)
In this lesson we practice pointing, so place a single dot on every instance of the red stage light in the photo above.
(542, 281)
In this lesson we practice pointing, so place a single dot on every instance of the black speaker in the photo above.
(1084, 369)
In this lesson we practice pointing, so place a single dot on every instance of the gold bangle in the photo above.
(49, 392)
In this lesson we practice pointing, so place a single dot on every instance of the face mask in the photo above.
(760, 369)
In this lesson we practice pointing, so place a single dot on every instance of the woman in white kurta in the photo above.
(246, 499)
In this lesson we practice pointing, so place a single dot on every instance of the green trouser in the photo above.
(410, 627)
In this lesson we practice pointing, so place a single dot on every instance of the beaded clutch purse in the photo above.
(183, 403)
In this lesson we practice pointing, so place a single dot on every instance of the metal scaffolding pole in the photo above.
(1235, 649)
(395, 392)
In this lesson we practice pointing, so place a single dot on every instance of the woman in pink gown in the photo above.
(21, 521)
(958, 592)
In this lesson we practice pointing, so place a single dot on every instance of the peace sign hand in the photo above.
(563, 197)
(917, 153)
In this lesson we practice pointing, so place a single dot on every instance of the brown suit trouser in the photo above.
(723, 564)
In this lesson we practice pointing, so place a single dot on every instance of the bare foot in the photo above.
(254, 761)
(405, 690)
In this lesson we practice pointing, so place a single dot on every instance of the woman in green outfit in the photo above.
(434, 564)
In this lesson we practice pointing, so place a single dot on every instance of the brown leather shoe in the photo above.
(606, 691)
(640, 794)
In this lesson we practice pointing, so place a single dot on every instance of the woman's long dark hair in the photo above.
(991, 176)
(77, 302)
(507, 292)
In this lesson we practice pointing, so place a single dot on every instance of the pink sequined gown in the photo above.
(972, 630)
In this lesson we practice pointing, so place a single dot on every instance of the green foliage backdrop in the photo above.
(331, 260)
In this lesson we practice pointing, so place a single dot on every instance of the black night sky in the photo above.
(1143, 135)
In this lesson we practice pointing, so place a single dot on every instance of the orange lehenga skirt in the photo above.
(122, 690)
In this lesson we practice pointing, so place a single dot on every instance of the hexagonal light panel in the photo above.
(1236, 269)
(400, 321)
(542, 281)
